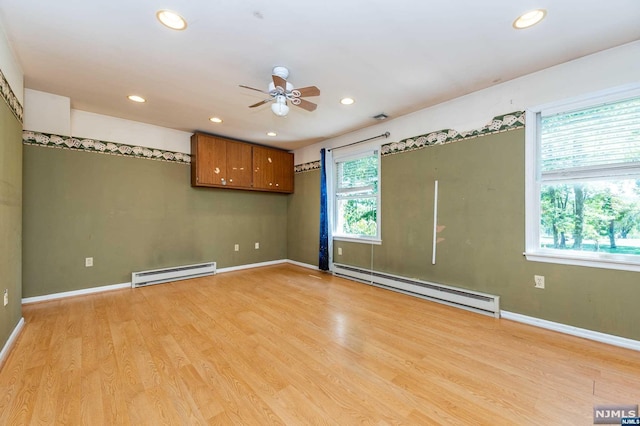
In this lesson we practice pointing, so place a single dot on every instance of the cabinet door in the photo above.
(238, 164)
(284, 171)
(210, 160)
(263, 170)
(272, 169)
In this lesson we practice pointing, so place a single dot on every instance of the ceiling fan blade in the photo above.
(280, 82)
(309, 91)
(309, 106)
(253, 88)
(261, 103)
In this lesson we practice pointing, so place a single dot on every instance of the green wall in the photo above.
(133, 214)
(10, 221)
(481, 207)
(303, 228)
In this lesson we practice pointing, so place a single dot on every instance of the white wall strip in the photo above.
(11, 341)
(250, 266)
(101, 289)
(304, 265)
(574, 331)
(435, 222)
(84, 291)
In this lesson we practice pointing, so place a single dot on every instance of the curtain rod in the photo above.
(385, 134)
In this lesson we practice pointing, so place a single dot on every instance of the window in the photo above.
(583, 181)
(357, 197)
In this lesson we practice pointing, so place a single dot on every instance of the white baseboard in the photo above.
(537, 322)
(11, 341)
(100, 289)
(81, 292)
(304, 265)
(250, 266)
(574, 331)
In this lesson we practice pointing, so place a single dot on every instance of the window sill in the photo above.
(585, 260)
(374, 241)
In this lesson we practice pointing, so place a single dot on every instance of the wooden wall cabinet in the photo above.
(272, 169)
(219, 162)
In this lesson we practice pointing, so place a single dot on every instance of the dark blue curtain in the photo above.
(324, 222)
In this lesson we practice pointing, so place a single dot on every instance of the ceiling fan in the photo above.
(281, 92)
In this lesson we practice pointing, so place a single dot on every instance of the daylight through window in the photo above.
(357, 196)
(588, 185)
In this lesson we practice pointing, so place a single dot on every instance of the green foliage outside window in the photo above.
(357, 197)
(590, 192)
(359, 216)
(592, 216)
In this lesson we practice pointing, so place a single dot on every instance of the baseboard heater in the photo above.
(470, 300)
(157, 276)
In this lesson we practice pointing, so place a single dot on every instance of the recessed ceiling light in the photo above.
(347, 101)
(529, 19)
(215, 120)
(272, 134)
(136, 98)
(171, 19)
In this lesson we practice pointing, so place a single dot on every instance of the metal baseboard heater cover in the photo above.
(157, 276)
(470, 300)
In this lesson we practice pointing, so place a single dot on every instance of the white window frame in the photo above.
(349, 154)
(533, 251)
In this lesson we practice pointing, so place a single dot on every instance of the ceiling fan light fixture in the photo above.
(529, 19)
(279, 106)
(281, 93)
(347, 101)
(171, 19)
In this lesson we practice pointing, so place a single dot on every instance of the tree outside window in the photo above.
(357, 196)
(583, 193)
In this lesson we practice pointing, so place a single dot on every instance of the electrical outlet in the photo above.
(539, 280)
(339, 251)
(6, 296)
(257, 246)
(88, 262)
(236, 247)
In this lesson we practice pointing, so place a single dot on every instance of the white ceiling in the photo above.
(394, 57)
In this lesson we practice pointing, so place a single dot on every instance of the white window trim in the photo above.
(347, 154)
(362, 240)
(533, 177)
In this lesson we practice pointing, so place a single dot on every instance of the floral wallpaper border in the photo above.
(307, 167)
(10, 97)
(102, 147)
(500, 123)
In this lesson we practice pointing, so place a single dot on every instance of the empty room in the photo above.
(295, 213)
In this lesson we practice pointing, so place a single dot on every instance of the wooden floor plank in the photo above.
(287, 345)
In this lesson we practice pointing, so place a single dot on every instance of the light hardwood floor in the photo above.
(287, 345)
